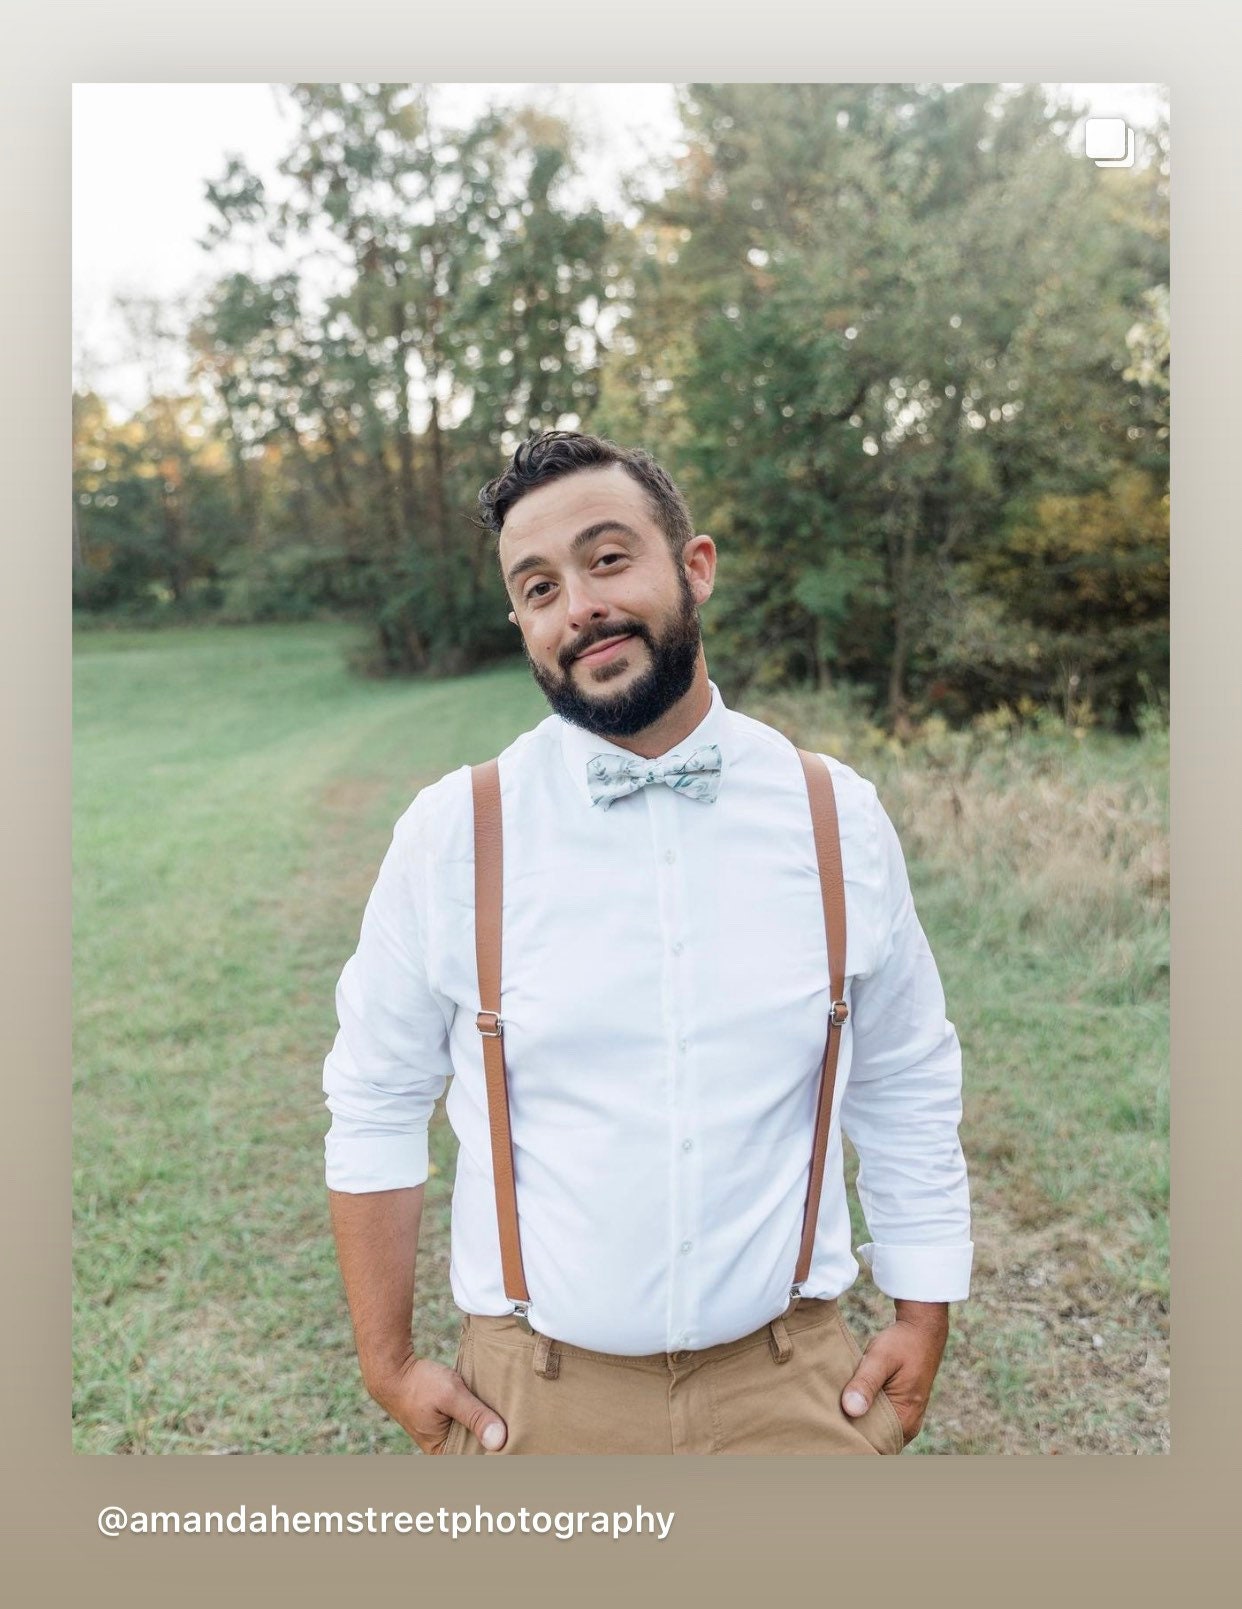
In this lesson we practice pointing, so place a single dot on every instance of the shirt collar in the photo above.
(578, 745)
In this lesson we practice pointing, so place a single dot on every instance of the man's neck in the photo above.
(677, 722)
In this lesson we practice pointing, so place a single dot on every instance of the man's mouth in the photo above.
(601, 651)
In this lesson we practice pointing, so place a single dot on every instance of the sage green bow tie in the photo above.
(696, 774)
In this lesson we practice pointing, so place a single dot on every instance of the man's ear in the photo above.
(699, 562)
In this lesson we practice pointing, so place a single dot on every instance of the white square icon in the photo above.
(1107, 140)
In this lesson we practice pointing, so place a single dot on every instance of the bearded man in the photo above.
(652, 1075)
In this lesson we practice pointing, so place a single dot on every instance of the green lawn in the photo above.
(234, 790)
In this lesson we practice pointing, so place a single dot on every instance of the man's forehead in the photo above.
(563, 507)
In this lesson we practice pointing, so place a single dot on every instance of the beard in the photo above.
(673, 653)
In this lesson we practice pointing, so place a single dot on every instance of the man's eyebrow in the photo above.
(534, 561)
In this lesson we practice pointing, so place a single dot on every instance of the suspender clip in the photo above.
(520, 1311)
(497, 1028)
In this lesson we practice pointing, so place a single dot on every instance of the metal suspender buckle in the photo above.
(520, 1310)
(838, 1012)
(496, 1029)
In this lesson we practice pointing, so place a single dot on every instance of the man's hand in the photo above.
(425, 1398)
(902, 1359)
(376, 1240)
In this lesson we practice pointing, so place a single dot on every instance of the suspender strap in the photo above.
(488, 907)
(832, 888)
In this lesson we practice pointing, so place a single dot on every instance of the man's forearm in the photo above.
(903, 1360)
(933, 1316)
(376, 1245)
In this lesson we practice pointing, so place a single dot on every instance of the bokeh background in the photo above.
(905, 348)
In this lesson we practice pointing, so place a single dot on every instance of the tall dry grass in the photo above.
(1039, 859)
(1018, 833)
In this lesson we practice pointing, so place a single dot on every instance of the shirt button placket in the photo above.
(672, 912)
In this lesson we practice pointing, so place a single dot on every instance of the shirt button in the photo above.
(686, 1245)
(687, 1145)
(681, 1044)
(669, 856)
(678, 947)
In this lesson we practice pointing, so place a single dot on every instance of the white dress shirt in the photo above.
(665, 995)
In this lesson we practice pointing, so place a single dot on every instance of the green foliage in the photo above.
(152, 520)
(909, 314)
(295, 582)
(907, 353)
(461, 323)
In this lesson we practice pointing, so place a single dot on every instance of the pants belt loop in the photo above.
(547, 1361)
(778, 1341)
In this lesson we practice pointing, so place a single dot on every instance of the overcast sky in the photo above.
(142, 153)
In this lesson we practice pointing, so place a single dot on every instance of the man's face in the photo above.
(609, 619)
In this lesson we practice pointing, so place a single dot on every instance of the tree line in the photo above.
(905, 350)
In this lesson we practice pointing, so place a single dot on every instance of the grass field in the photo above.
(234, 791)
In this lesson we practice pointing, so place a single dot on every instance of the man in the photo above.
(665, 993)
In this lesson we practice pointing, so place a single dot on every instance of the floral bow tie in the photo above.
(697, 774)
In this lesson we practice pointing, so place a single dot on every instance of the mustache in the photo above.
(593, 640)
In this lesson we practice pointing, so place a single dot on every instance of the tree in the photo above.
(905, 310)
(466, 283)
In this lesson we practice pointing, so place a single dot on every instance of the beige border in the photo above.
(980, 1530)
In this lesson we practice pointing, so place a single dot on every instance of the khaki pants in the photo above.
(777, 1390)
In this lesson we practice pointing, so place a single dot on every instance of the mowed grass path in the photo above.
(234, 792)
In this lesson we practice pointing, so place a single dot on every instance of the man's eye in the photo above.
(539, 589)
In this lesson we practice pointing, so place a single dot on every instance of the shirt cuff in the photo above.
(356, 1164)
(920, 1273)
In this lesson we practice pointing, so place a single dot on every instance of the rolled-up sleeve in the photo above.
(902, 1106)
(390, 1060)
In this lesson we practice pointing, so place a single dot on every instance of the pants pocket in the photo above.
(455, 1441)
(880, 1424)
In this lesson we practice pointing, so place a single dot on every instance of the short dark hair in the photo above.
(553, 453)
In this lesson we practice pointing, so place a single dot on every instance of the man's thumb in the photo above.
(480, 1420)
(861, 1388)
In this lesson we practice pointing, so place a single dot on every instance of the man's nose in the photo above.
(582, 604)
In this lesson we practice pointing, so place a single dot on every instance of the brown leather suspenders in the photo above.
(488, 909)
(488, 897)
(832, 888)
